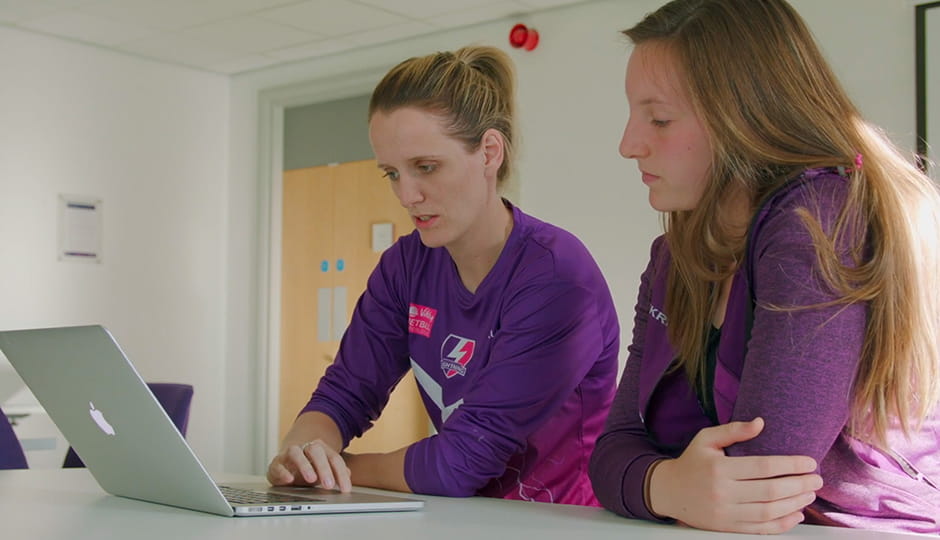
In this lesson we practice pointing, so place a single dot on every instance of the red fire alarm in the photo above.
(524, 37)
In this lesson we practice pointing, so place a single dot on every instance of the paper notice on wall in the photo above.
(79, 228)
(324, 307)
(339, 312)
(382, 234)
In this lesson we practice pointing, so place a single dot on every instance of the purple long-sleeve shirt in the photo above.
(795, 369)
(517, 377)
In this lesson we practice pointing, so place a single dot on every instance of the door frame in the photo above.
(922, 90)
(272, 102)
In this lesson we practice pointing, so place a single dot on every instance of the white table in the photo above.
(69, 504)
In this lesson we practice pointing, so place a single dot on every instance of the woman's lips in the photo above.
(424, 221)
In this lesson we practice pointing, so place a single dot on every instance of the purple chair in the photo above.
(175, 399)
(11, 453)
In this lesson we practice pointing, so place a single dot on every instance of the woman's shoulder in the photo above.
(551, 280)
(821, 191)
(819, 194)
(786, 224)
(551, 251)
(542, 235)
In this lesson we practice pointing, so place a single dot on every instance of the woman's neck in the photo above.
(479, 250)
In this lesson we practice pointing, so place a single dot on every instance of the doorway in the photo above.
(272, 105)
(337, 220)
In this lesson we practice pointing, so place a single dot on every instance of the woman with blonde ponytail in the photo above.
(785, 363)
(505, 321)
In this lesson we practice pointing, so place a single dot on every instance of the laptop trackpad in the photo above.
(300, 491)
(322, 495)
(295, 492)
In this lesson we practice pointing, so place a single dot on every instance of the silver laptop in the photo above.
(94, 395)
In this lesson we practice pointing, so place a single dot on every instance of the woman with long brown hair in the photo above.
(785, 363)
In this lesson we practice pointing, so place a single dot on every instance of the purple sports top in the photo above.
(795, 371)
(516, 378)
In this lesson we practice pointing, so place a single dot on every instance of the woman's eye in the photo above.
(427, 168)
(660, 123)
(391, 175)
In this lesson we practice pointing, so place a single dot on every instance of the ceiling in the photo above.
(232, 36)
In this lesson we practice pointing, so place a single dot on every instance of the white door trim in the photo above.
(272, 103)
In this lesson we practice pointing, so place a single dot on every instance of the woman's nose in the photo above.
(409, 192)
(631, 144)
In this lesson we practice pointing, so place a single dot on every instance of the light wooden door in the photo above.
(327, 257)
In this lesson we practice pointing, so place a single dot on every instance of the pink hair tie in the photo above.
(843, 171)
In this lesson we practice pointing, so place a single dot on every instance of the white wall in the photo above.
(149, 140)
(572, 111)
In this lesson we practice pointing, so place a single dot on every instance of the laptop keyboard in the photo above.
(245, 496)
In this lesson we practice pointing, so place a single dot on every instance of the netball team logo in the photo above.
(456, 353)
(421, 319)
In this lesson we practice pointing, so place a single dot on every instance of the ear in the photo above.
(492, 144)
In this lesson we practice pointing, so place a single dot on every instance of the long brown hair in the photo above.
(472, 88)
(773, 107)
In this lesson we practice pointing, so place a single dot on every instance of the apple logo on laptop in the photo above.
(99, 419)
